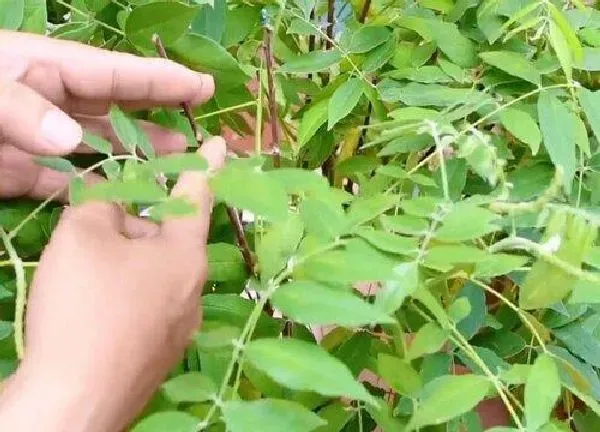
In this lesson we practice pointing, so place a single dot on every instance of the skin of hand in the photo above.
(115, 298)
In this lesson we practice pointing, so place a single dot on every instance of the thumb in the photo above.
(30, 122)
(192, 231)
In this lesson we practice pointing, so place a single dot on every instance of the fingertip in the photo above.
(214, 151)
(205, 88)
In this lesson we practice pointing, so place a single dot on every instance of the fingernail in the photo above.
(60, 131)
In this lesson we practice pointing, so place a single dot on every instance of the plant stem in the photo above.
(80, 12)
(330, 23)
(160, 48)
(226, 110)
(273, 114)
(234, 218)
(365, 11)
(21, 294)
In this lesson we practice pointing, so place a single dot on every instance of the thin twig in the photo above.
(365, 11)
(234, 218)
(330, 23)
(238, 228)
(160, 48)
(273, 114)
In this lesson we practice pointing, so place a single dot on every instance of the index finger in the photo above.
(192, 231)
(89, 73)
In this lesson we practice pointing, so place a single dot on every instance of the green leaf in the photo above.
(172, 207)
(300, 365)
(173, 421)
(55, 163)
(389, 242)
(448, 397)
(322, 218)
(314, 61)
(266, 198)
(379, 56)
(344, 100)
(513, 64)
(561, 48)
(444, 6)
(269, 415)
(312, 303)
(189, 387)
(166, 19)
(465, 222)
(365, 38)
(403, 282)
(453, 43)
(177, 163)
(405, 224)
(399, 375)
(11, 14)
(429, 339)
(97, 143)
(129, 133)
(580, 342)
(523, 127)
(542, 391)
(312, 120)
(204, 54)
(589, 102)
(278, 246)
(225, 262)
(499, 264)
(558, 132)
(130, 191)
(35, 16)
(568, 33)
(6, 329)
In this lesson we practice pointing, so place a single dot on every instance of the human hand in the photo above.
(49, 89)
(112, 306)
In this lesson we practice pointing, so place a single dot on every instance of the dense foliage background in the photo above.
(443, 155)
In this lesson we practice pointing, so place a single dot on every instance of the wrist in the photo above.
(35, 400)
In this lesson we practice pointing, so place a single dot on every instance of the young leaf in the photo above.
(429, 339)
(523, 127)
(403, 282)
(269, 415)
(250, 188)
(300, 365)
(312, 120)
(225, 262)
(173, 421)
(399, 374)
(542, 391)
(312, 303)
(167, 19)
(314, 61)
(189, 387)
(129, 133)
(465, 222)
(177, 163)
(278, 246)
(55, 163)
(344, 100)
(448, 397)
(365, 38)
(514, 64)
(97, 143)
(558, 132)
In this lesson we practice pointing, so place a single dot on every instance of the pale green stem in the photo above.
(226, 110)
(21, 294)
(100, 23)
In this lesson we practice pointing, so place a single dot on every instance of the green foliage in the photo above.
(442, 155)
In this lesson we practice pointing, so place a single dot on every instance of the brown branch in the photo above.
(187, 109)
(273, 114)
(365, 11)
(234, 217)
(330, 23)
